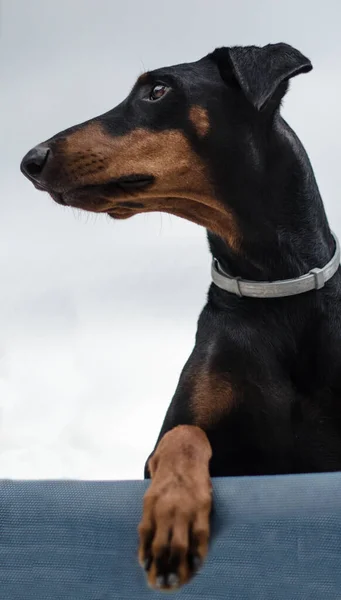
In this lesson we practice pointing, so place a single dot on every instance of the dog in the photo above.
(261, 392)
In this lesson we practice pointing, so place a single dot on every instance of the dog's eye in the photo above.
(157, 92)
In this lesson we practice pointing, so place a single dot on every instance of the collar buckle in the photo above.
(319, 278)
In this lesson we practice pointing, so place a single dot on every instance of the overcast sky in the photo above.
(98, 317)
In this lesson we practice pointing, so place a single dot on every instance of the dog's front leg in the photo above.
(174, 529)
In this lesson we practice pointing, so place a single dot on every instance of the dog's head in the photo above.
(178, 143)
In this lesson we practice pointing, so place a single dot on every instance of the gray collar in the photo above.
(314, 280)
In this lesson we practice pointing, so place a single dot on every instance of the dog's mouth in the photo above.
(128, 183)
(93, 195)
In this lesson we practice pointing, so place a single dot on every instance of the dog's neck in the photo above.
(279, 212)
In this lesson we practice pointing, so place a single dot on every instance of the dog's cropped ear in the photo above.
(261, 72)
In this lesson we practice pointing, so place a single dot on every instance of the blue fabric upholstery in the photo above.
(274, 538)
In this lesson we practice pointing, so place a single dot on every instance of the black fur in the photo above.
(282, 356)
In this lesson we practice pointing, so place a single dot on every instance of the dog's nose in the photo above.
(33, 163)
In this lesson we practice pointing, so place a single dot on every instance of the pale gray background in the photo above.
(97, 317)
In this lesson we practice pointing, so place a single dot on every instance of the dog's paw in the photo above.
(174, 530)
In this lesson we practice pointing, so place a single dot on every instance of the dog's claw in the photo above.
(160, 582)
(147, 563)
(173, 580)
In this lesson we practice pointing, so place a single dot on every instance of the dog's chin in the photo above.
(121, 213)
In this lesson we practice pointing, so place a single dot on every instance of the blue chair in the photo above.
(274, 538)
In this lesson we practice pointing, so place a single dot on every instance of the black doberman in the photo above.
(261, 391)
